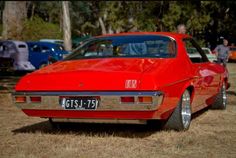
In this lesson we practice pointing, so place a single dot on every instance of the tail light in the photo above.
(145, 100)
(127, 99)
(20, 99)
(35, 99)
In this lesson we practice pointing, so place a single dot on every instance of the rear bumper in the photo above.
(110, 106)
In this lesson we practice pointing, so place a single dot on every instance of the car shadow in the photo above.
(99, 129)
(200, 112)
(231, 93)
(92, 129)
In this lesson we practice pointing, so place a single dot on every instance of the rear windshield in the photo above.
(126, 46)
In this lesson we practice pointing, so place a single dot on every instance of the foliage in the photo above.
(1, 28)
(36, 29)
(205, 20)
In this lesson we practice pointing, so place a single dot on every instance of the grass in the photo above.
(212, 134)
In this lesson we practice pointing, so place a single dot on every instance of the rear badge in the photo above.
(130, 84)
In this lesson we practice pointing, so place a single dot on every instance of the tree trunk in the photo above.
(110, 31)
(66, 26)
(102, 26)
(118, 30)
(61, 20)
(32, 11)
(14, 15)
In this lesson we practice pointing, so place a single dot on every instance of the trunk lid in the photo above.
(88, 75)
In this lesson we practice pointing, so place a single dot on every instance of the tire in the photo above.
(180, 119)
(42, 65)
(221, 99)
(54, 125)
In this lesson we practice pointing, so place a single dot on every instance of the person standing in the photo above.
(222, 52)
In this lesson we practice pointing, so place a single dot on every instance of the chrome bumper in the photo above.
(108, 100)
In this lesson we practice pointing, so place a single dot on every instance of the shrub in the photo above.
(36, 29)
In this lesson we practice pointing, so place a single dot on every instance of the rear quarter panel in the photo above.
(172, 76)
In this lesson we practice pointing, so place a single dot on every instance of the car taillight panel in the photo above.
(145, 100)
(35, 99)
(20, 99)
(127, 99)
(138, 100)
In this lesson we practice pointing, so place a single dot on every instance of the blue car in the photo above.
(44, 53)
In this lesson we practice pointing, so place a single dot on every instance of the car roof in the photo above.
(52, 40)
(170, 34)
(13, 41)
(43, 43)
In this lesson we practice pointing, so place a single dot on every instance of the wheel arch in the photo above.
(226, 81)
(191, 91)
(189, 86)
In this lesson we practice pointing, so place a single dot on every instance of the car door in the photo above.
(34, 54)
(202, 75)
(211, 78)
(51, 56)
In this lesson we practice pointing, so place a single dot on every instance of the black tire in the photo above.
(221, 99)
(42, 65)
(176, 120)
(54, 125)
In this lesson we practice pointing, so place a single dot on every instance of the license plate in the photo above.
(79, 103)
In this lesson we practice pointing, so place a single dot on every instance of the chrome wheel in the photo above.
(186, 109)
(224, 96)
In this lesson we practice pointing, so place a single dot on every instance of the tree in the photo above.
(36, 29)
(66, 26)
(14, 15)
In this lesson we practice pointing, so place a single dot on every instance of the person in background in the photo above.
(222, 52)
(181, 29)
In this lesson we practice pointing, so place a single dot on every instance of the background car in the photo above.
(76, 41)
(232, 53)
(58, 41)
(15, 55)
(44, 53)
(126, 78)
(211, 56)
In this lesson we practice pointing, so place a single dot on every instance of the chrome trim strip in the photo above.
(100, 93)
(108, 102)
(99, 121)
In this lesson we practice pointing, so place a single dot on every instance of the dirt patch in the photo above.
(211, 134)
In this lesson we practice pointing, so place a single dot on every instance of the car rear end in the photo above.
(232, 54)
(130, 107)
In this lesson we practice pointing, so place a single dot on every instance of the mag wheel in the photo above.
(54, 125)
(181, 117)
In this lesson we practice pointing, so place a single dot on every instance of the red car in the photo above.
(126, 78)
